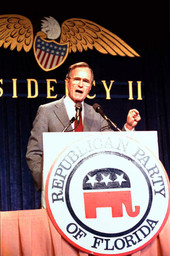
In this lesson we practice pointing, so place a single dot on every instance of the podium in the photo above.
(34, 232)
(149, 139)
(103, 190)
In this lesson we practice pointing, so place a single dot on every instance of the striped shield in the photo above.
(49, 54)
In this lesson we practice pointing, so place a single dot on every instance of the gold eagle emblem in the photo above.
(53, 43)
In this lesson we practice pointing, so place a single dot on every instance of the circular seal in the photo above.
(103, 194)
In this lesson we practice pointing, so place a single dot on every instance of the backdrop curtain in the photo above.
(16, 115)
(17, 189)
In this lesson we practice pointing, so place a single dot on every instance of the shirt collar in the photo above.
(70, 107)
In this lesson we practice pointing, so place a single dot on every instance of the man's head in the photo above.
(79, 81)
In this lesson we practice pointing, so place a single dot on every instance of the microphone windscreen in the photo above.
(96, 107)
(79, 105)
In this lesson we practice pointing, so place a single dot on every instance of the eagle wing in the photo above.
(16, 31)
(82, 34)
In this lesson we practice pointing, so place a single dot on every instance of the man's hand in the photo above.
(133, 118)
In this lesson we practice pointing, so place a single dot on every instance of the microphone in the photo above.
(78, 108)
(78, 111)
(68, 125)
(99, 110)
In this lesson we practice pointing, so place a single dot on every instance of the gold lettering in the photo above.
(107, 89)
(66, 90)
(130, 90)
(139, 90)
(1, 90)
(134, 89)
(29, 87)
(94, 96)
(14, 88)
(50, 88)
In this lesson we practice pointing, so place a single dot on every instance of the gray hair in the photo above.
(79, 65)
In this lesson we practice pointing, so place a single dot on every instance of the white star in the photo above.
(92, 180)
(119, 178)
(106, 179)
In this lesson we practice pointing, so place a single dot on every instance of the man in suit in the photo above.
(54, 116)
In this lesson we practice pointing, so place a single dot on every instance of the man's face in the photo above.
(79, 84)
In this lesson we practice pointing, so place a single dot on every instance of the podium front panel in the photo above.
(103, 190)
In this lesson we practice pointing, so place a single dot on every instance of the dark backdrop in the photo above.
(143, 27)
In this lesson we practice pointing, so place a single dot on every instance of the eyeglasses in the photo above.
(76, 80)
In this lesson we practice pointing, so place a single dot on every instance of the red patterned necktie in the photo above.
(79, 128)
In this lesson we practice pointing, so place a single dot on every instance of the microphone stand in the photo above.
(99, 110)
(113, 124)
(70, 122)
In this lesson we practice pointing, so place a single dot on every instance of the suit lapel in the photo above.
(61, 113)
(63, 119)
(88, 118)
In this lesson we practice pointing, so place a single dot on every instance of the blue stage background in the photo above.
(143, 27)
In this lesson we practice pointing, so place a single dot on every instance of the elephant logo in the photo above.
(114, 186)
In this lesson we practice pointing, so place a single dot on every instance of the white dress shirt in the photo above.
(70, 108)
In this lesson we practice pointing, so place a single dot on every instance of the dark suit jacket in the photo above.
(52, 117)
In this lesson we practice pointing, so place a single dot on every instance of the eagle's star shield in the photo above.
(49, 54)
